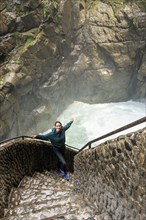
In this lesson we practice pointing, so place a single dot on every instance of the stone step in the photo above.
(53, 213)
(47, 196)
(66, 210)
(73, 201)
(37, 205)
(33, 197)
(49, 190)
(45, 212)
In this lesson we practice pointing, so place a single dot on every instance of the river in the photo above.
(94, 120)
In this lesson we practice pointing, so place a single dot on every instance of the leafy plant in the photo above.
(17, 61)
(29, 41)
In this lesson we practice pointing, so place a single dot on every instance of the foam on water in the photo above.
(94, 120)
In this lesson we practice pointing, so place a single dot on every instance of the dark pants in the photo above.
(59, 153)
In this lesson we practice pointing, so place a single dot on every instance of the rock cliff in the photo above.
(53, 52)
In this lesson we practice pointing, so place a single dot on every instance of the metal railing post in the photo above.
(130, 125)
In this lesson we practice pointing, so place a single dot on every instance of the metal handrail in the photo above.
(10, 139)
(74, 148)
(29, 137)
(137, 122)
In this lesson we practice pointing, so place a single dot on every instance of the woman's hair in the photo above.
(58, 122)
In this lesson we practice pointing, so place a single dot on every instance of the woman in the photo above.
(57, 138)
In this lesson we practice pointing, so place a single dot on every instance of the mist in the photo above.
(95, 120)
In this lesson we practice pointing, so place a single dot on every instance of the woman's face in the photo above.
(58, 127)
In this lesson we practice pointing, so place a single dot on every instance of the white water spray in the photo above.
(95, 120)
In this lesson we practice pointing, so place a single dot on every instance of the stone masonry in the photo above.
(23, 158)
(112, 176)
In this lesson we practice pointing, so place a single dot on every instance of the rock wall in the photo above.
(112, 176)
(54, 52)
(22, 158)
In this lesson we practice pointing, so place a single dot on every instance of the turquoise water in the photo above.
(94, 120)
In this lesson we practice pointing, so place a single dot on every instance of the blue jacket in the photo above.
(57, 138)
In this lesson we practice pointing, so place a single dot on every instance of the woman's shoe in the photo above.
(60, 172)
(66, 176)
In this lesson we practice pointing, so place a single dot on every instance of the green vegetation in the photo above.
(51, 13)
(17, 61)
(49, 8)
(29, 42)
(1, 81)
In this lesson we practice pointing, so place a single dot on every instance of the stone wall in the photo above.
(112, 176)
(24, 157)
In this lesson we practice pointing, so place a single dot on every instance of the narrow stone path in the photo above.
(47, 196)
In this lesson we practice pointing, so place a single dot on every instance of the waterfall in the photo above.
(94, 120)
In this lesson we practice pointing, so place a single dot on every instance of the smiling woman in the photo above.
(57, 138)
(58, 126)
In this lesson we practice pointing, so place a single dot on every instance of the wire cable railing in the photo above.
(130, 125)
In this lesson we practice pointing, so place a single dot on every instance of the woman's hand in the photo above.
(72, 119)
(33, 136)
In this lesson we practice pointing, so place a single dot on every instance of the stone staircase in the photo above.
(47, 196)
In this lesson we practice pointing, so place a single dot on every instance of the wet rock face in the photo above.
(112, 176)
(55, 52)
(21, 158)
